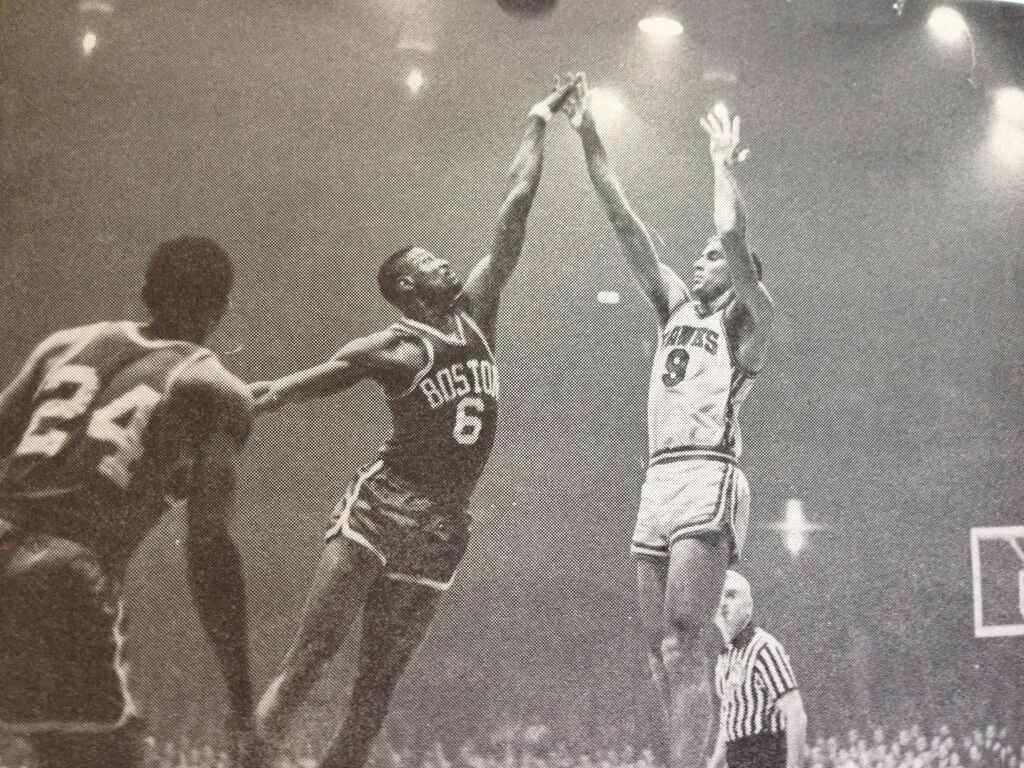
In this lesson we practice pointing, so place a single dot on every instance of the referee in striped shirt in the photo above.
(762, 723)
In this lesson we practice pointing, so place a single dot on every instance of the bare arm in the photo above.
(661, 285)
(731, 223)
(483, 287)
(214, 566)
(717, 759)
(791, 705)
(381, 356)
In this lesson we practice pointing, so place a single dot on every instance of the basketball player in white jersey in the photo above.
(695, 500)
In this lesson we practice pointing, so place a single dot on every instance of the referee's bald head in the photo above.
(736, 580)
(737, 604)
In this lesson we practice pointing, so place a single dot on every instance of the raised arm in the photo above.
(661, 285)
(731, 223)
(384, 356)
(483, 287)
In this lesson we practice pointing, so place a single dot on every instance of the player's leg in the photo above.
(61, 654)
(344, 576)
(395, 621)
(696, 572)
(650, 575)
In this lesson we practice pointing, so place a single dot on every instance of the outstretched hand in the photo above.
(264, 396)
(557, 98)
(724, 135)
(577, 104)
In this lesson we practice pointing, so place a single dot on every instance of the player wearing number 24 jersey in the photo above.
(695, 500)
(401, 529)
(103, 423)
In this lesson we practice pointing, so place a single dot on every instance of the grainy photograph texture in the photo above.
(511, 384)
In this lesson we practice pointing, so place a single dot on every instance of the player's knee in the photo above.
(688, 624)
(670, 651)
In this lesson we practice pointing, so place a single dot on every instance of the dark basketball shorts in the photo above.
(61, 646)
(765, 750)
(419, 540)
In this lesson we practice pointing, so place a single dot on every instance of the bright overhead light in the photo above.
(88, 42)
(415, 81)
(1009, 105)
(96, 6)
(607, 106)
(1007, 142)
(795, 526)
(660, 27)
(948, 25)
(608, 297)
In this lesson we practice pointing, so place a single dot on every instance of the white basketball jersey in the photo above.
(696, 386)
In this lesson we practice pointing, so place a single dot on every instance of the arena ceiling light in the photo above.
(660, 27)
(415, 80)
(1008, 104)
(948, 25)
(607, 106)
(89, 41)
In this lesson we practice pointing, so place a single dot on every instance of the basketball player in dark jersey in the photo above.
(401, 529)
(102, 423)
(695, 501)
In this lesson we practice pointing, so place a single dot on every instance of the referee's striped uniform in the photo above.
(752, 673)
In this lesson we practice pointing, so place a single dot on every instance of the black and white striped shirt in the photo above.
(751, 675)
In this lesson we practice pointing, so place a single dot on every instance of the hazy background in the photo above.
(890, 227)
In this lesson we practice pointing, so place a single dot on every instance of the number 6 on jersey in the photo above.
(468, 423)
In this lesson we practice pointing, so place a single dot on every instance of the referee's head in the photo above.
(736, 606)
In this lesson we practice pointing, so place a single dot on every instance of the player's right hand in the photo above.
(554, 100)
(577, 103)
(265, 396)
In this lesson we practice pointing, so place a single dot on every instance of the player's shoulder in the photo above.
(64, 339)
(204, 389)
(399, 344)
(204, 374)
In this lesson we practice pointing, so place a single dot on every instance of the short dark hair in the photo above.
(186, 277)
(390, 271)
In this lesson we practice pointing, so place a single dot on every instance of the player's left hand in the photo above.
(724, 135)
(577, 105)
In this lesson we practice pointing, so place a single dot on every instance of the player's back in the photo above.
(91, 466)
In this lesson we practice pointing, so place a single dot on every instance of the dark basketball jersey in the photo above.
(92, 462)
(444, 423)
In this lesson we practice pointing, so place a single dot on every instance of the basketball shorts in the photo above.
(418, 539)
(692, 498)
(61, 648)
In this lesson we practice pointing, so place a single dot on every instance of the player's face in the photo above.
(736, 605)
(710, 273)
(432, 278)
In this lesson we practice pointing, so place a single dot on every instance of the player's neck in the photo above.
(441, 319)
(162, 329)
(714, 303)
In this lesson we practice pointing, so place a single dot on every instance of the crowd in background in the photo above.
(985, 746)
